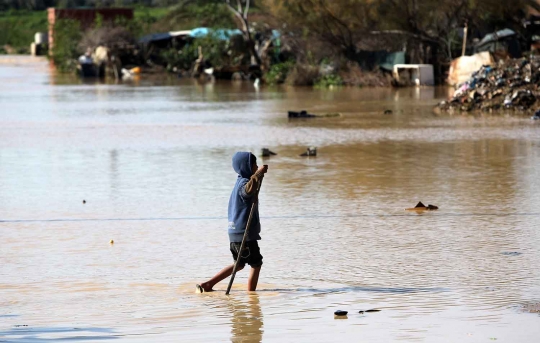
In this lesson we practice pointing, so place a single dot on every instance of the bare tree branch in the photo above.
(239, 4)
(229, 6)
(246, 9)
(242, 15)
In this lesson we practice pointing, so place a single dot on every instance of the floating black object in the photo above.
(368, 311)
(421, 207)
(84, 201)
(511, 253)
(388, 112)
(301, 114)
(267, 153)
(311, 151)
(340, 313)
(536, 115)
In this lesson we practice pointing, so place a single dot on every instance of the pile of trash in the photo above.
(511, 84)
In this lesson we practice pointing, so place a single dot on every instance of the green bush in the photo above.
(327, 81)
(278, 72)
(179, 59)
(215, 51)
(67, 35)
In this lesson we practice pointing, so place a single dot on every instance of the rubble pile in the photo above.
(511, 84)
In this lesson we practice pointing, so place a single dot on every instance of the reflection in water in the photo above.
(247, 320)
(114, 174)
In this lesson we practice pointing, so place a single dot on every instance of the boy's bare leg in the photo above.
(253, 278)
(222, 274)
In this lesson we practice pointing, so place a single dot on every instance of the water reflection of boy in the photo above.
(247, 320)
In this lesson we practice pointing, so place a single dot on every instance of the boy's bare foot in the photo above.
(204, 287)
(221, 275)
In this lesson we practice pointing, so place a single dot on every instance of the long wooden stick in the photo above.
(255, 203)
(464, 47)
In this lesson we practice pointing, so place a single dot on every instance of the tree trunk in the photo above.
(241, 14)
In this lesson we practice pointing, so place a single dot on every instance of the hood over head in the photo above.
(242, 162)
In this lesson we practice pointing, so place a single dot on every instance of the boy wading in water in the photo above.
(244, 194)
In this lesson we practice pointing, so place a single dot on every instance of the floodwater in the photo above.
(152, 160)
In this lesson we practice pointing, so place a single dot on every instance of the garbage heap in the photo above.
(511, 84)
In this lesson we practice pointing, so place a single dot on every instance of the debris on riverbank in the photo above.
(511, 84)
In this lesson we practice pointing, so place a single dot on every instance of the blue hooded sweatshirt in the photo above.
(240, 202)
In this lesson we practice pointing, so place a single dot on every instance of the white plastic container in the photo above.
(40, 38)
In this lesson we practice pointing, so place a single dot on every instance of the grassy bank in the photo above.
(17, 28)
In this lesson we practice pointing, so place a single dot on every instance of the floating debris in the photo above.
(301, 114)
(511, 253)
(369, 311)
(511, 84)
(304, 114)
(311, 151)
(421, 207)
(536, 115)
(111, 241)
(388, 112)
(267, 153)
(340, 313)
(84, 201)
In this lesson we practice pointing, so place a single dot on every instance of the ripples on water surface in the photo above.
(153, 164)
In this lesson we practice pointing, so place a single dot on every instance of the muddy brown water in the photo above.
(152, 161)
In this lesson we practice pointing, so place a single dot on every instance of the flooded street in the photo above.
(152, 161)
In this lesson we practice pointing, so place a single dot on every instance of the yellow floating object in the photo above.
(136, 70)
(112, 241)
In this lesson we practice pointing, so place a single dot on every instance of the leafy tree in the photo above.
(217, 14)
(345, 23)
(198, 13)
(341, 23)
